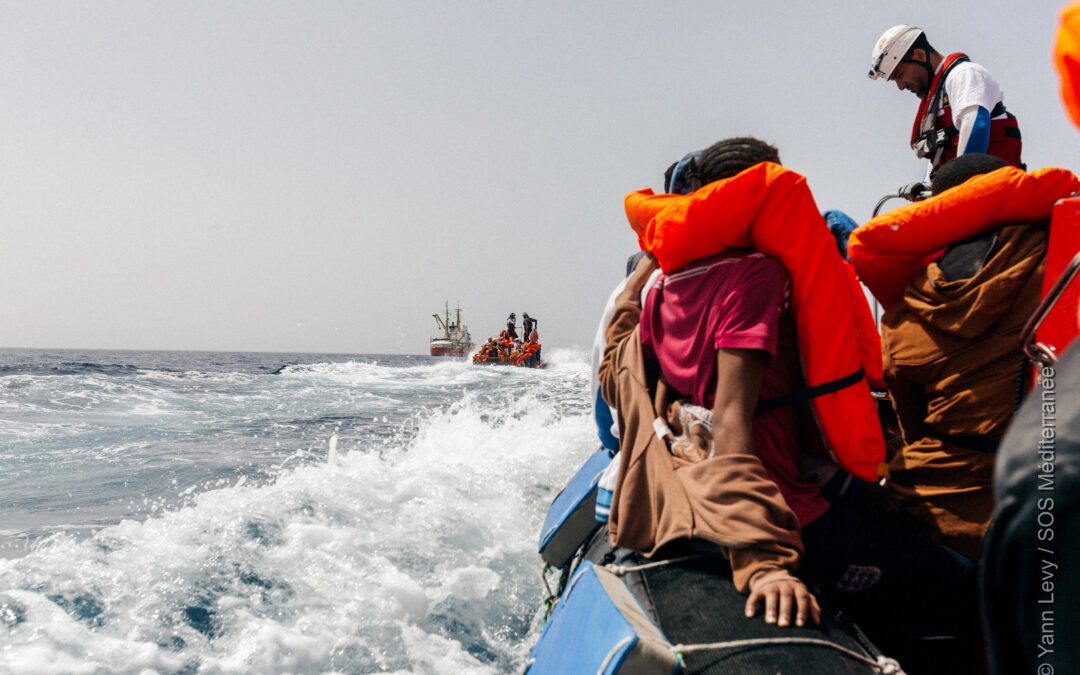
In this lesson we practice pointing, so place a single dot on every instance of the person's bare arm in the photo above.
(739, 373)
(738, 386)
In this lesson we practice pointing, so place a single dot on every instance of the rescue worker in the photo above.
(951, 328)
(720, 323)
(962, 109)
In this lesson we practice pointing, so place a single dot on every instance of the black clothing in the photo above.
(1030, 577)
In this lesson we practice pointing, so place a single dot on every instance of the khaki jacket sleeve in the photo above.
(623, 321)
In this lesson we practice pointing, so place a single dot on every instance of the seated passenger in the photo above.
(531, 356)
(732, 330)
(951, 330)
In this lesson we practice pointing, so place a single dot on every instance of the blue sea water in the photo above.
(195, 512)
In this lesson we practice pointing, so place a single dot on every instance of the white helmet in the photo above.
(891, 48)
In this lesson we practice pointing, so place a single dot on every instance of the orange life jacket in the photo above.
(890, 249)
(771, 209)
(1067, 59)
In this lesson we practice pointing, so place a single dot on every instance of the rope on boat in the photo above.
(886, 665)
(620, 570)
(551, 599)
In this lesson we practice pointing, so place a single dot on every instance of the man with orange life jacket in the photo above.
(745, 245)
(962, 109)
(950, 332)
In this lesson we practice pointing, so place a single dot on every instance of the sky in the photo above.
(323, 176)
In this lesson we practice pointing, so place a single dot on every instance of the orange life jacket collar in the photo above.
(890, 249)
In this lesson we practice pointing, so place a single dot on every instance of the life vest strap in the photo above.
(808, 393)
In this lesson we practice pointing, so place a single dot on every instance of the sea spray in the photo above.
(405, 550)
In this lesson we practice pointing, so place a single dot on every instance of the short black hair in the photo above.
(920, 43)
(731, 156)
(963, 168)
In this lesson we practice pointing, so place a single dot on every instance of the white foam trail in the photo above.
(407, 558)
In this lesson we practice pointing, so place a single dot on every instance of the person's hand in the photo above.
(913, 191)
(645, 267)
(780, 596)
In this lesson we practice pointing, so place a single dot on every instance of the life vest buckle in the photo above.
(929, 142)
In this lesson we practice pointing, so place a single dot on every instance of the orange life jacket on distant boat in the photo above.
(770, 208)
(890, 249)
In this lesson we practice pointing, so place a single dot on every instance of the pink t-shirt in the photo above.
(735, 300)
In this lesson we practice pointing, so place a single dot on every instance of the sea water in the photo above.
(191, 512)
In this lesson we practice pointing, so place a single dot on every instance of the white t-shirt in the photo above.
(969, 87)
(600, 340)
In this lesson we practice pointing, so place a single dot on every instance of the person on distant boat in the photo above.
(962, 109)
(511, 326)
(720, 322)
(951, 329)
(522, 354)
(528, 324)
(530, 355)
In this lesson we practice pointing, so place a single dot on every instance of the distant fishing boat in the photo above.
(455, 339)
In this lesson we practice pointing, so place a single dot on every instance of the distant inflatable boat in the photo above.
(519, 360)
(504, 353)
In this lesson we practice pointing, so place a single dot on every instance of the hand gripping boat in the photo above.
(619, 613)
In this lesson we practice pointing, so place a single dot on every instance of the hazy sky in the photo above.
(322, 176)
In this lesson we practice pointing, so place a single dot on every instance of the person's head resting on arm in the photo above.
(720, 160)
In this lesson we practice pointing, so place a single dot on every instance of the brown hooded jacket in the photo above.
(953, 364)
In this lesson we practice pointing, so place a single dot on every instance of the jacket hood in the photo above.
(968, 307)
